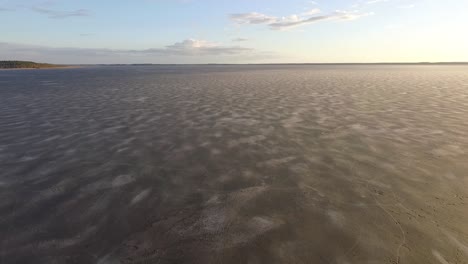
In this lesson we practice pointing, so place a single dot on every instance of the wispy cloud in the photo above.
(311, 12)
(240, 39)
(252, 18)
(375, 1)
(189, 47)
(187, 51)
(282, 23)
(55, 14)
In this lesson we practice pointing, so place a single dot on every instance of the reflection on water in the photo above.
(234, 164)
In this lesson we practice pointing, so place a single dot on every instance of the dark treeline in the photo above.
(24, 64)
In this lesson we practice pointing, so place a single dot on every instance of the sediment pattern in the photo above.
(234, 164)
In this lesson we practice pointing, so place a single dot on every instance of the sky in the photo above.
(233, 31)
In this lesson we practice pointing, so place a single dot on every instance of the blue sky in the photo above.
(241, 31)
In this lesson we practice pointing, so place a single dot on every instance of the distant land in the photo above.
(27, 65)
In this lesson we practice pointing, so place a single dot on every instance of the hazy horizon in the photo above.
(428, 63)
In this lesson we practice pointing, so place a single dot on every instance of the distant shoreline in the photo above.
(42, 68)
(240, 64)
(31, 65)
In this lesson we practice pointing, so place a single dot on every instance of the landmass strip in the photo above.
(27, 65)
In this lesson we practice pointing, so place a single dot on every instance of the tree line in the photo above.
(24, 64)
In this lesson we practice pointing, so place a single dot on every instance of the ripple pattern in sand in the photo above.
(234, 164)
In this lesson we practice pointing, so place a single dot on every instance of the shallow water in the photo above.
(234, 164)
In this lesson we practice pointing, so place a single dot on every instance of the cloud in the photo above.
(252, 18)
(193, 47)
(187, 51)
(311, 12)
(3, 9)
(240, 39)
(375, 1)
(61, 14)
(292, 21)
(23, 50)
(189, 47)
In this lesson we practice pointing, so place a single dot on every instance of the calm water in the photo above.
(234, 164)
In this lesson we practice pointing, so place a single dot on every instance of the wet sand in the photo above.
(234, 164)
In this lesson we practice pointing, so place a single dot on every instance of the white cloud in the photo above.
(311, 12)
(375, 1)
(191, 44)
(282, 23)
(252, 18)
(191, 47)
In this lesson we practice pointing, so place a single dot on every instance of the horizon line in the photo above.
(276, 63)
(273, 63)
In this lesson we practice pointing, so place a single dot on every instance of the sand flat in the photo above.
(234, 164)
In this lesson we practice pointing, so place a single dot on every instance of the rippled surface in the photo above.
(234, 164)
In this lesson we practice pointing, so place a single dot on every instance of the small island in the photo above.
(27, 65)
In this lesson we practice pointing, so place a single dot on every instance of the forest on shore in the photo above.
(26, 65)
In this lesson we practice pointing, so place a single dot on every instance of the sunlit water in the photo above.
(234, 164)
